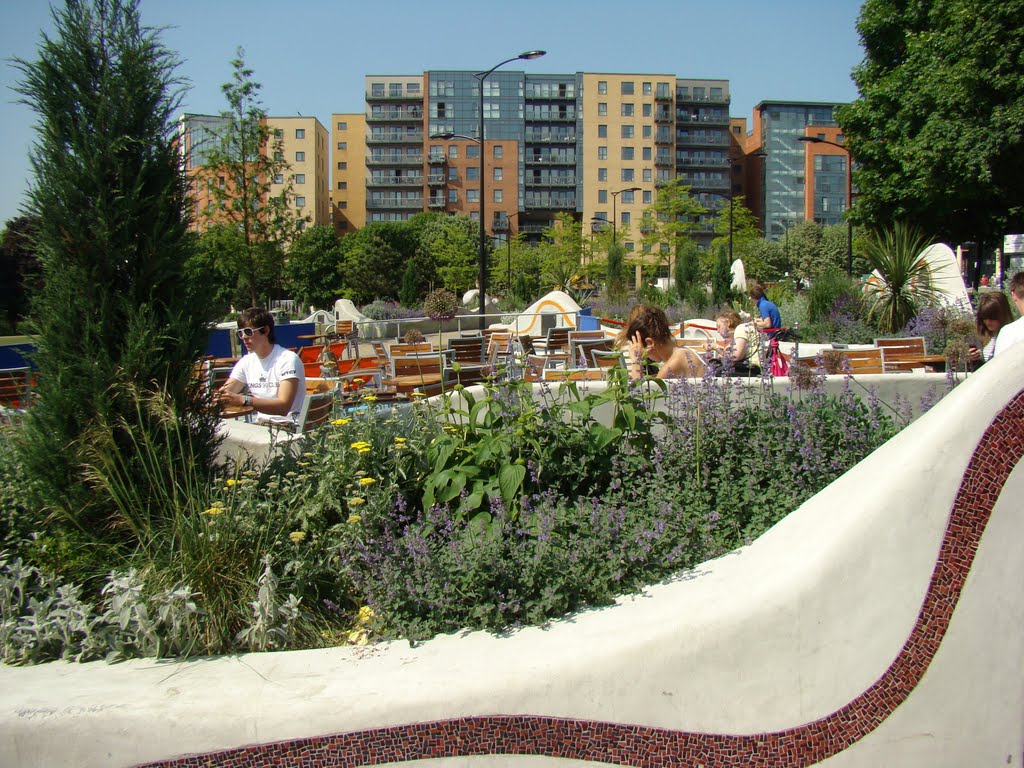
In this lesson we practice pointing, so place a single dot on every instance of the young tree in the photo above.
(241, 174)
(19, 271)
(312, 272)
(687, 272)
(721, 278)
(670, 220)
(745, 229)
(116, 315)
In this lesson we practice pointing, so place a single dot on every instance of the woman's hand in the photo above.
(973, 354)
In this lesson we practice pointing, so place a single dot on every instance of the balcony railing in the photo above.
(663, 116)
(395, 115)
(663, 137)
(395, 181)
(705, 183)
(684, 117)
(437, 157)
(534, 228)
(550, 182)
(664, 161)
(663, 94)
(549, 138)
(550, 160)
(685, 99)
(437, 179)
(395, 202)
(398, 137)
(437, 202)
(398, 158)
(698, 140)
(561, 94)
(370, 96)
(551, 118)
(706, 162)
(551, 205)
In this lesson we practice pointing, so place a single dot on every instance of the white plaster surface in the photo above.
(772, 636)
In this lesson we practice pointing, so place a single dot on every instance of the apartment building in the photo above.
(802, 181)
(302, 142)
(350, 166)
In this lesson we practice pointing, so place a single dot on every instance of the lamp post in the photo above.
(481, 77)
(849, 195)
(508, 244)
(615, 216)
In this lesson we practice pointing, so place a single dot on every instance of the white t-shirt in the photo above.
(1009, 335)
(263, 376)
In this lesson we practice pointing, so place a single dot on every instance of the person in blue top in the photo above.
(770, 317)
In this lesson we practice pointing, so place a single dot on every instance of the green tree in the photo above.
(241, 175)
(687, 271)
(453, 243)
(372, 266)
(116, 315)
(312, 271)
(19, 271)
(670, 220)
(936, 131)
(615, 274)
(721, 278)
(745, 229)
(561, 251)
(409, 294)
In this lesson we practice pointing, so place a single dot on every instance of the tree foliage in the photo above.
(240, 176)
(116, 315)
(902, 285)
(938, 129)
(670, 220)
(745, 229)
(312, 271)
(19, 271)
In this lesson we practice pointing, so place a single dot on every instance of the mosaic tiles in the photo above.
(994, 458)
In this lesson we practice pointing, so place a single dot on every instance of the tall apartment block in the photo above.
(303, 144)
(589, 144)
(802, 181)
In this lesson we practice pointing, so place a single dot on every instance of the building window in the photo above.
(300, 133)
(627, 88)
(602, 87)
(453, 195)
(342, 145)
(602, 108)
(602, 195)
(499, 196)
(627, 174)
(647, 175)
(342, 204)
(472, 195)
(647, 89)
(627, 153)
(647, 110)
(279, 157)
(300, 157)
(499, 152)
(716, 93)
(602, 174)
(279, 133)
(647, 131)
(473, 151)
(624, 217)
(630, 247)
(278, 178)
(300, 178)
(472, 174)
(627, 109)
(342, 185)
(342, 126)
(627, 196)
(602, 153)
(498, 174)
(602, 131)
(647, 197)
(628, 131)
(300, 201)
(453, 151)
(647, 154)
(453, 173)
(342, 166)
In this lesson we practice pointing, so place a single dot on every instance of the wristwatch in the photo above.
(247, 400)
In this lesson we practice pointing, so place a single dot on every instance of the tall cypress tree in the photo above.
(116, 319)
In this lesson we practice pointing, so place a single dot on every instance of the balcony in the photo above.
(663, 94)
(395, 181)
(550, 182)
(551, 205)
(550, 160)
(549, 138)
(395, 158)
(703, 162)
(702, 139)
(499, 224)
(687, 99)
(437, 179)
(395, 116)
(691, 119)
(664, 161)
(662, 116)
(436, 202)
(403, 96)
(437, 157)
(395, 202)
(535, 228)
(560, 117)
(663, 137)
(395, 137)
(562, 94)
(705, 183)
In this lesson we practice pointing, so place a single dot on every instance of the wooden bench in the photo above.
(902, 354)
(854, 361)
(15, 388)
(413, 372)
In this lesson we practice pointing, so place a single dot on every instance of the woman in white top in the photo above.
(274, 376)
(739, 342)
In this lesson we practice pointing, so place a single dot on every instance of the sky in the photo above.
(310, 58)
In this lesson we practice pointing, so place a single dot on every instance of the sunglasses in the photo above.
(247, 333)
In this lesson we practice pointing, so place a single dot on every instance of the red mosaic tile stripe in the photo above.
(997, 453)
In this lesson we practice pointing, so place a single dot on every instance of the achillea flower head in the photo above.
(354, 518)
(356, 501)
(367, 480)
(297, 536)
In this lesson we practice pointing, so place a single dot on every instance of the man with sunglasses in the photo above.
(269, 378)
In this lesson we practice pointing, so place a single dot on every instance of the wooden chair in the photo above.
(608, 358)
(15, 388)
(415, 371)
(316, 410)
(574, 374)
(582, 342)
(556, 341)
(900, 354)
(856, 361)
(470, 352)
(217, 376)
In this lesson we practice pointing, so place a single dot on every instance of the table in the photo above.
(236, 411)
(933, 363)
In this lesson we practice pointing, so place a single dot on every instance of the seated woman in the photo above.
(273, 375)
(993, 314)
(736, 353)
(648, 338)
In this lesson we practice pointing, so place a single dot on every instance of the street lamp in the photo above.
(615, 216)
(849, 195)
(508, 244)
(480, 77)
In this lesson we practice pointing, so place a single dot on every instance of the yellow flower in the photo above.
(367, 481)
(214, 510)
(358, 637)
(297, 536)
(369, 398)
(303, 463)
(340, 422)
(364, 450)
(308, 455)
(356, 501)
(365, 615)
(417, 393)
(401, 439)
(360, 445)
(229, 483)
(353, 519)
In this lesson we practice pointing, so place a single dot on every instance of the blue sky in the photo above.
(311, 57)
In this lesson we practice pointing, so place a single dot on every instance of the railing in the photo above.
(437, 157)
(534, 228)
(702, 119)
(663, 116)
(551, 118)
(463, 323)
(549, 160)
(550, 205)
(702, 99)
(399, 137)
(436, 202)
(436, 179)
(399, 158)
(399, 115)
(395, 181)
(395, 203)
(719, 162)
(370, 96)
(706, 183)
(548, 138)
(704, 139)
(549, 182)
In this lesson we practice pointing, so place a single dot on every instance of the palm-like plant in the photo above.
(902, 281)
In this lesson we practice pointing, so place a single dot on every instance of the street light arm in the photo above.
(816, 140)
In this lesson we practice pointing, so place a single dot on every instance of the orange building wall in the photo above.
(348, 205)
(829, 133)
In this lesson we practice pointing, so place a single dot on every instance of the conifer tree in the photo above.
(115, 316)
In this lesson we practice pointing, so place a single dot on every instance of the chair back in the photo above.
(582, 342)
(310, 353)
(695, 365)
(896, 351)
(316, 410)
(399, 349)
(217, 377)
(470, 350)
(15, 388)
(608, 358)
(557, 339)
(864, 360)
